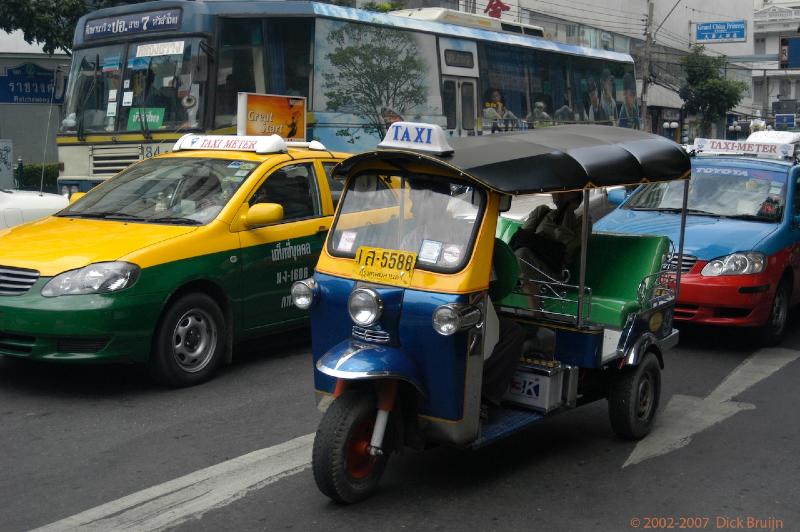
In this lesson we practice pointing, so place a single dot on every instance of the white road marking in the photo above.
(189, 497)
(685, 416)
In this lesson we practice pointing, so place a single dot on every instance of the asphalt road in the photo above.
(75, 438)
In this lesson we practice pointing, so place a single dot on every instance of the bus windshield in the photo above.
(155, 85)
(433, 218)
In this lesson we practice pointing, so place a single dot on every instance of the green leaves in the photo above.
(707, 92)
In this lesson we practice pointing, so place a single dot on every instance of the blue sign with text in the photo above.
(784, 121)
(150, 21)
(728, 31)
(30, 83)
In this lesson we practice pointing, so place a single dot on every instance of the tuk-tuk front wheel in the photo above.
(344, 469)
(633, 398)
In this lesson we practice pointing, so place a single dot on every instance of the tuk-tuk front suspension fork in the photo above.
(387, 393)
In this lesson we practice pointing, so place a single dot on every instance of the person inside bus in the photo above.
(594, 111)
(548, 242)
(538, 115)
(607, 98)
(495, 111)
(629, 109)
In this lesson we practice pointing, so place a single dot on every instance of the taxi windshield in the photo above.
(432, 217)
(170, 190)
(723, 191)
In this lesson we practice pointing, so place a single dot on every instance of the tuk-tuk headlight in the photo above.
(303, 293)
(365, 306)
(735, 264)
(451, 318)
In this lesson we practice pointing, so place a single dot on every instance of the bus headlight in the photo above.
(365, 306)
(97, 278)
(451, 318)
(303, 293)
(735, 264)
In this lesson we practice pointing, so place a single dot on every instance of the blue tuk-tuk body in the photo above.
(401, 327)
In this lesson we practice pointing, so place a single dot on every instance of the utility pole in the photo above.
(648, 50)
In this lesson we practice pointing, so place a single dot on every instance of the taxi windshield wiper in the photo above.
(675, 209)
(751, 217)
(103, 215)
(175, 220)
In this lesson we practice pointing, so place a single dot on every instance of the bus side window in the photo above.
(240, 67)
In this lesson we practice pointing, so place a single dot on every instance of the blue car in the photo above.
(742, 249)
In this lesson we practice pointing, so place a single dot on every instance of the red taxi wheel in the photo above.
(633, 398)
(771, 333)
(344, 470)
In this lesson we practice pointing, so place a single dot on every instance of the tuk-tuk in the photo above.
(416, 275)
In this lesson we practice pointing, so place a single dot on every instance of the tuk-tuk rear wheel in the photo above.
(344, 469)
(633, 398)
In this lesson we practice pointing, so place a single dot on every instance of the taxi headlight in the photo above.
(97, 278)
(735, 264)
(451, 318)
(303, 293)
(365, 306)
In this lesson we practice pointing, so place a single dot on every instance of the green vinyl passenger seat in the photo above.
(615, 265)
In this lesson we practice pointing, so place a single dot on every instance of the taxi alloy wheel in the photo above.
(633, 398)
(190, 341)
(344, 469)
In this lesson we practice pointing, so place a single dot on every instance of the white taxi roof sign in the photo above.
(417, 136)
(768, 150)
(257, 144)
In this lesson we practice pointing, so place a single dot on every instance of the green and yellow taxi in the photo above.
(173, 260)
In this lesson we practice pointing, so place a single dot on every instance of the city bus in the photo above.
(143, 75)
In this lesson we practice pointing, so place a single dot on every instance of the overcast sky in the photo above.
(15, 43)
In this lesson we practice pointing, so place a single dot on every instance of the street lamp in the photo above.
(669, 128)
(735, 128)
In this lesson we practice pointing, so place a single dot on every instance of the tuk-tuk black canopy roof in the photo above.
(549, 159)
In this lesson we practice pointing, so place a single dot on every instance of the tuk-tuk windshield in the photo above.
(432, 217)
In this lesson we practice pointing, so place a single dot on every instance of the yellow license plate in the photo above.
(388, 266)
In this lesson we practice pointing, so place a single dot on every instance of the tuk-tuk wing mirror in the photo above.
(505, 203)
(262, 214)
(617, 196)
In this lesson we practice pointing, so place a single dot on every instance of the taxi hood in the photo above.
(57, 244)
(707, 237)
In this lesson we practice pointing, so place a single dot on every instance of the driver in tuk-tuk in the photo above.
(548, 242)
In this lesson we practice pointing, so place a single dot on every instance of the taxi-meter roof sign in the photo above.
(769, 150)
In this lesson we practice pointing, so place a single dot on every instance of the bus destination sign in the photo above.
(147, 22)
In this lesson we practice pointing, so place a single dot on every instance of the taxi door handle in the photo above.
(322, 229)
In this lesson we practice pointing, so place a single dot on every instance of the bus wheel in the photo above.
(633, 398)
(190, 341)
(344, 469)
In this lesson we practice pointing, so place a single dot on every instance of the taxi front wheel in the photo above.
(190, 341)
(344, 469)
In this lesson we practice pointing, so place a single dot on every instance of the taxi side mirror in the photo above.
(262, 214)
(75, 196)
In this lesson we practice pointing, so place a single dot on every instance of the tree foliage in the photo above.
(51, 23)
(375, 72)
(707, 92)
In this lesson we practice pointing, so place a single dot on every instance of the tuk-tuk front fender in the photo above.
(353, 360)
